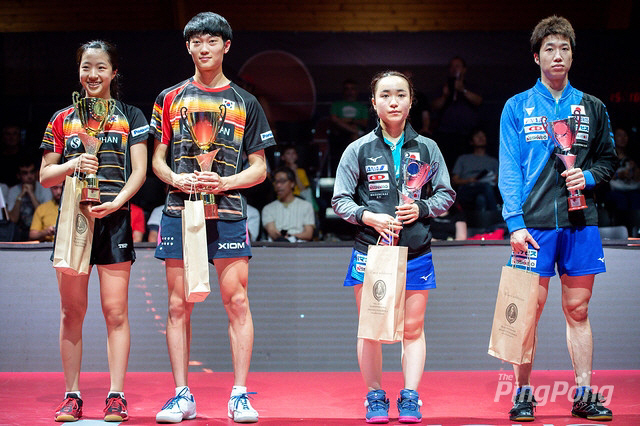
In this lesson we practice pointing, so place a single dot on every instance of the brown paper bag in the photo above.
(194, 252)
(514, 320)
(383, 293)
(74, 234)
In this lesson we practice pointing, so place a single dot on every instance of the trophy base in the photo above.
(90, 196)
(576, 202)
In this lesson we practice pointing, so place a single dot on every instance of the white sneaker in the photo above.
(240, 410)
(178, 408)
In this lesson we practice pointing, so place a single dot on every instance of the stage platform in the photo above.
(322, 398)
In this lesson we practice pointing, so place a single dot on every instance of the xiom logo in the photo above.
(231, 246)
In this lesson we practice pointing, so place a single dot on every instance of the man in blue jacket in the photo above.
(535, 186)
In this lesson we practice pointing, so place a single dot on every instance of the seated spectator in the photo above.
(25, 197)
(625, 184)
(153, 224)
(10, 152)
(476, 175)
(290, 159)
(137, 223)
(253, 222)
(45, 218)
(289, 218)
(450, 225)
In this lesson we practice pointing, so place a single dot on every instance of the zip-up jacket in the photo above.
(365, 180)
(534, 193)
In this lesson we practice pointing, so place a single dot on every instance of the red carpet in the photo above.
(450, 398)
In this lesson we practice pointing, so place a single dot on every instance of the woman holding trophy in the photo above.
(116, 133)
(374, 191)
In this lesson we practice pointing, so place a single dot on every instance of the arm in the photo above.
(461, 231)
(306, 234)
(133, 184)
(185, 182)
(251, 176)
(272, 231)
(443, 195)
(510, 178)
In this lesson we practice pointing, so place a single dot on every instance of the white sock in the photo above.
(180, 388)
(66, 394)
(238, 390)
(117, 393)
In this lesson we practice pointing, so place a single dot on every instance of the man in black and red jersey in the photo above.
(245, 129)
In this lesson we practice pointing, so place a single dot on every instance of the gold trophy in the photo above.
(563, 134)
(204, 126)
(93, 114)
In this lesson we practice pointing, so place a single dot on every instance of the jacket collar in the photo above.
(544, 91)
(409, 133)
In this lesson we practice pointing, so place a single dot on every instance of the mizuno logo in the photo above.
(375, 159)
(601, 259)
(425, 277)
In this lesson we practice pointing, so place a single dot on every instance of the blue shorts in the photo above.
(420, 272)
(225, 239)
(577, 251)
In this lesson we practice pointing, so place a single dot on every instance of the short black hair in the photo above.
(553, 25)
(286, 170)
(208, 23)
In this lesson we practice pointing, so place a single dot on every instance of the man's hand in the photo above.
(520, 241)
(574, 179)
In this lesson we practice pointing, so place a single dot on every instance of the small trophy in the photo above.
(413, 176)
(204, 127)
(563, 134)
(94, 114)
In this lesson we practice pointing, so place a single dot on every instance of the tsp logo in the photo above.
(379, 290)
(511, 313)
(81, 224)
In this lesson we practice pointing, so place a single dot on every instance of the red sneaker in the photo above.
(116, 409)
(70, 410)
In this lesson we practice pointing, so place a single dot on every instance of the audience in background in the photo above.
(10, 152)
(450, 225)
(45, 218)
(137, 223)
(624, 191)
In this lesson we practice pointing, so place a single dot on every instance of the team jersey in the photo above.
(534, 193)
(126, 127)
(245, 130)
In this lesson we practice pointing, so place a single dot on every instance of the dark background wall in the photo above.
(334, 39)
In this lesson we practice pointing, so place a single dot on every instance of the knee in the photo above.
(577, 312)
(71, 314)
(413, 330)
(178, 310)
(238, 304)
(115, 317)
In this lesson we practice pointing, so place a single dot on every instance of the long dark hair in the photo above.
(114, 59)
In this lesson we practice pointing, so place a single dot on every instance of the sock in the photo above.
(77, 393)
(113, 394)
(581, 390)
(523, 388)
(238, 390)
(180, 388)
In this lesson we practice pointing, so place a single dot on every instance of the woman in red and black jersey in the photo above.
(120, 165)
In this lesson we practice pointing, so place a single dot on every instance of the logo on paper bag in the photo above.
(511, 313)
(81, 224)
(379, 290)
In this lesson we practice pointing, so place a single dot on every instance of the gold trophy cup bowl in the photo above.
(204, 126)
(93, 114)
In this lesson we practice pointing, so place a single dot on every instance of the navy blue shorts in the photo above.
(420, 272)
(576, 251)
(225, 239)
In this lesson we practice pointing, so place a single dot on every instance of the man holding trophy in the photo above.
(554, 142)
(379, 188)
(202, 126)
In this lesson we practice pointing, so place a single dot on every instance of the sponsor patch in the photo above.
(378, 176)
(229, 104)
(532, 120)
(231, 246)
(413, 155)
(360, 267)
(379, 186)
(361, 258)
(266, 135)
(577, 108)
(584, 128)
(582, 136)
(374, 159)
(533, 128)
(139, 131)
(377, 168)
(536, 137)
(74, 142)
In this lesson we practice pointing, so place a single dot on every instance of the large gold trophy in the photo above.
(93, 114)
(204, 126)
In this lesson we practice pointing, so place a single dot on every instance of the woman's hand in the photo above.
(407, 213)
(387, 226)
(86, 163)
(101, 210)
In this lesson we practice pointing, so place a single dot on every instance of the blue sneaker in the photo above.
(409, 407)
(377, 405)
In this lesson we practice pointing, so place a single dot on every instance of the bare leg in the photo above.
(369, 354)
(178, 322)
(414, 348)
(233, 277)
(523, 371)
(73, 307)
(114, 297)
(576, 293)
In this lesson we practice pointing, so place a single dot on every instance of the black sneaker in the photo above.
(589, 406)
(523, 406)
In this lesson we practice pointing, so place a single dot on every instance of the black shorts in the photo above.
(113, 239)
